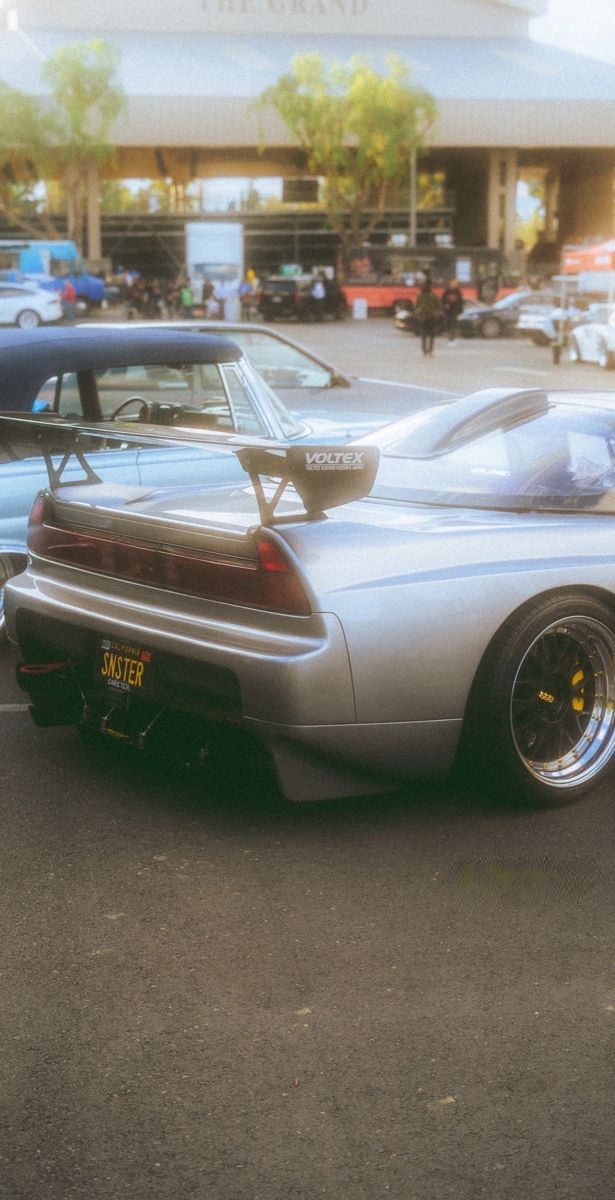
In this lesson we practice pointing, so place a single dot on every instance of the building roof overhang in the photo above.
(187, 90)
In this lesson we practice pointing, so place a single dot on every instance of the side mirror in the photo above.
(338, 380)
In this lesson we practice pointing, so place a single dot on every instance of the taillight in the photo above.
(271, 557)
(279, 581)
(37, 512)
(269, 582)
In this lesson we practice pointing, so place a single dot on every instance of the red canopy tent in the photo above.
(599, 257)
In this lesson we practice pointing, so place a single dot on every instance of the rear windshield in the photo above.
(563, 459)
(281, 285)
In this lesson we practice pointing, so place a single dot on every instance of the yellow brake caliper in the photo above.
(579, 700)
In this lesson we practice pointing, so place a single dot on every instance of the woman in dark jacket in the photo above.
(452, 305)
(428, 311)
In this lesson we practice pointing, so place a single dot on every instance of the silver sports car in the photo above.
(439, 595)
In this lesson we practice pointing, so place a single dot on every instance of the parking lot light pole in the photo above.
(412, 200)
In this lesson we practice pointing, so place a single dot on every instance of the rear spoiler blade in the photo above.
(58, 441)
(322, 476)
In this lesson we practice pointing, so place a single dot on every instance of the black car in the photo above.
(289, 297)
(405, 316)
(493, 320)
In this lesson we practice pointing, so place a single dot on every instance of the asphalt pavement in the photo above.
(209, 994)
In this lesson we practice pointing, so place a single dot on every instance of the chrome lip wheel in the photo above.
(6, 570)
(562, 708)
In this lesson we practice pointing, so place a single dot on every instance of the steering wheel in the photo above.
(143, 408)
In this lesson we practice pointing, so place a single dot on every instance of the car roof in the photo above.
(226, 328)
(191, 324)
(29, 357)
(24, 285)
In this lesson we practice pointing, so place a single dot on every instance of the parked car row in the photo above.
(482, 320)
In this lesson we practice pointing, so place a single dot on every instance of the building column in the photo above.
(502, 200)
(93, 214)
(586, 208)
(552, 204)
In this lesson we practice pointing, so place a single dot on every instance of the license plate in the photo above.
(277, 299)
(124, 668)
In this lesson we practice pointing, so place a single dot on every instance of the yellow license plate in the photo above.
(123, 667)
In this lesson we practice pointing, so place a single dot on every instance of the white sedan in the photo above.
(594, 340)
(26, 305)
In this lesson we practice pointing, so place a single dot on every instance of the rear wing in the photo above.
(322, 476)
(58, 442)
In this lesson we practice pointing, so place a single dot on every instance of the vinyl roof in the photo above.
(30, 357)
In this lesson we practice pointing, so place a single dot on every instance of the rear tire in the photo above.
(27, 319)
(605, 358)
(540, 724)
(491, 327)
(574, 354)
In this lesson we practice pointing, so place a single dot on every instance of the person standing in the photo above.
(428, 310)
(247, 298)
(68, 299)
(208, 299)
(223, 295)
(136, 293)
(318, 296)
(452, 307)
(186, 298)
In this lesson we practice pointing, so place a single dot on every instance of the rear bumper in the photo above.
(284, 682)
(287, 669)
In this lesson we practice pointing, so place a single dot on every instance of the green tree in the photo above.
(358, 130)
(25, 159)
(86, 100)
(64, 137)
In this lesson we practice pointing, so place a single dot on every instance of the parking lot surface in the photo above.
(208, 993)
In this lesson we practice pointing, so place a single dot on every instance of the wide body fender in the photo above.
(421, 596)
(414, 654)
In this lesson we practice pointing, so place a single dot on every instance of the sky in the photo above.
(587, 26)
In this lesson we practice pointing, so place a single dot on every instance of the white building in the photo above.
(506, 105)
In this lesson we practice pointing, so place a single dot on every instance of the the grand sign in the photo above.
(369, 18)
(286, 8)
